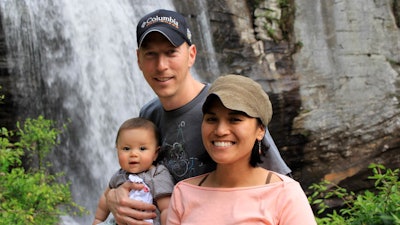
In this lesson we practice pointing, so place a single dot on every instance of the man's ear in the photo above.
(192, 54)
(138, 58)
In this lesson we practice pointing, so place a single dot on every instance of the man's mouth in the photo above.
(163, 79)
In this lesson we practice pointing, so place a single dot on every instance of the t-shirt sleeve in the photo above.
(117, 179)
(273, 159)
(294, 207)
(175, 206)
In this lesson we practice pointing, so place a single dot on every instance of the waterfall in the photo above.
(75, 60)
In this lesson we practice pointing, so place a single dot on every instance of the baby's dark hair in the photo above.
(139, 122)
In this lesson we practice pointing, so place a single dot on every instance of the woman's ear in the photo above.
(261, 132)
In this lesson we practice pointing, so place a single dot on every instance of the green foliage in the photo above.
(380, 206)
(33, 196)
(37, 136)
(10, 156)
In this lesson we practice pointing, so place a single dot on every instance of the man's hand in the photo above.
(126, 210)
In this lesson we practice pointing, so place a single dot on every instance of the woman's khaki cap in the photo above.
(241, 93)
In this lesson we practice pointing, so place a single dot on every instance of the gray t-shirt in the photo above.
(181, 143)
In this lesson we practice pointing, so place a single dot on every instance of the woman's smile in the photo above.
(223, 143)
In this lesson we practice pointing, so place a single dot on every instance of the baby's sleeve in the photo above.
(163, 182)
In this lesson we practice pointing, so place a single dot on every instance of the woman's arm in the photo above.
(163, 204)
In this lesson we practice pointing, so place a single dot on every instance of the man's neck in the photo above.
(186, 94)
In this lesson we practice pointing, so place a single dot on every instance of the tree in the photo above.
(32, 195)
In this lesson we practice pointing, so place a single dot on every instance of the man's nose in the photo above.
(162, 63)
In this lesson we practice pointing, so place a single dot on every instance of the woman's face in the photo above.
(229, 135)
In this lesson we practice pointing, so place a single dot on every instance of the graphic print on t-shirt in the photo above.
(176, 158)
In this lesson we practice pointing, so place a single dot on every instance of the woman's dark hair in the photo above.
(255, 157)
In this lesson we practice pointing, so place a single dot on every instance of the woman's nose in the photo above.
(221, 129)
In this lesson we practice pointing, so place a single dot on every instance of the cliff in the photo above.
(332, 70)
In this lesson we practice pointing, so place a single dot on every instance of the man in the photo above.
(165, 55)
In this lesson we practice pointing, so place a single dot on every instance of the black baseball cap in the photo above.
(169, 23)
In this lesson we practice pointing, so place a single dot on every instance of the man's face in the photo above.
(164, 66)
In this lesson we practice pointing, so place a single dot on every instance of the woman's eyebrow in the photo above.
(236, 112)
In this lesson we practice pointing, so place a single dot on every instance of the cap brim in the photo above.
(230, 101)
(174, 37)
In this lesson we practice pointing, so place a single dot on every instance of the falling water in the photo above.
(211, 64)
(75, 60)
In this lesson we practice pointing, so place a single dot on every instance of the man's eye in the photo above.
(171, 52)
(150, 54)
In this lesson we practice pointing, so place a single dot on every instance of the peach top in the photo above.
(278, 203)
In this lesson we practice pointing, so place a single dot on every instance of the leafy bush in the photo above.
(380, 206)
(31, 196)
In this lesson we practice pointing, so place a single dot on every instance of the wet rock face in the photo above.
(8, 111)
(349, 85)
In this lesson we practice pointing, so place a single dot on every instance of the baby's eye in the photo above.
(126, 148)
(142, 148)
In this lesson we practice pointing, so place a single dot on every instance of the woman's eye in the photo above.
(235, 119)
(210, 119)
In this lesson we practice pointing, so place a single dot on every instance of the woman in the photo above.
(238, 191)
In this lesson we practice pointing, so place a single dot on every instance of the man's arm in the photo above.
(126, 210)
(273, 159)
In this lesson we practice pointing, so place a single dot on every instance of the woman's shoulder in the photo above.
(273, 177)
(282, 177)
(195, 180)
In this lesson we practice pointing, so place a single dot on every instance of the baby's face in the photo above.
(137, 149)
